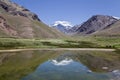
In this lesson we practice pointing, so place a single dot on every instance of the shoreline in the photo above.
(55, 49)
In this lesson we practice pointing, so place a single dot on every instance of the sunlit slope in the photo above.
(112, 31)
(19, 22)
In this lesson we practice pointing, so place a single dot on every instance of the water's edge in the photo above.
(55, 49)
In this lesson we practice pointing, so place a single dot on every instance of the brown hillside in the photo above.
(113, 30)
(16, 21)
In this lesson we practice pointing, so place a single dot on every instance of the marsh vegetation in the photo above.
(82, 42)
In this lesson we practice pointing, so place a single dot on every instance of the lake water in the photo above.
(59, 65)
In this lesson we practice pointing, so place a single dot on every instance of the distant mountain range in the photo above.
(17, 21)
(62, 26)
(95, 25)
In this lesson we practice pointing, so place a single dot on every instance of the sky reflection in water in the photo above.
(66, 68)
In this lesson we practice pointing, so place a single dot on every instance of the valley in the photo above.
(19, 27)
(31, 49)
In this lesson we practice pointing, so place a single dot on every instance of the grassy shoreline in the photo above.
(82, 42)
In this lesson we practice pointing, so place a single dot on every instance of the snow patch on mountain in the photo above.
(64, 23)
(63, 26)
(116, 17)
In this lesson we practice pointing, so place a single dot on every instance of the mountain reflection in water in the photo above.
(62, 63)
(59, 65)
(70, 66)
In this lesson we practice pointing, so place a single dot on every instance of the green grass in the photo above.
(103, 42)
(82, 42)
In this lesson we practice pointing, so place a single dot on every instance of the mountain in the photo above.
(95, 23)
(63, 26)
(112, 30)
(17, 21)
(16, 10)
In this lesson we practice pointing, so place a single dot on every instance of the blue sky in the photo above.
(74, 11)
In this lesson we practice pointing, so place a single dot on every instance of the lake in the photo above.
(60, 65)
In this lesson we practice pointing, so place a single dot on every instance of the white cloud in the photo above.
(64, 23)
(62, 63)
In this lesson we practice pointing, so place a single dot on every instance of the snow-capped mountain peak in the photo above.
(63, 26)
(63, 23)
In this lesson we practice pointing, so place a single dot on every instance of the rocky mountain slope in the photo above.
(95, 23)
(17, 21)
(16, 10)
(112, 31)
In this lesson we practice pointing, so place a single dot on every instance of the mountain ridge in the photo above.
(19, 22)
(15, 9)
(95, 23)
